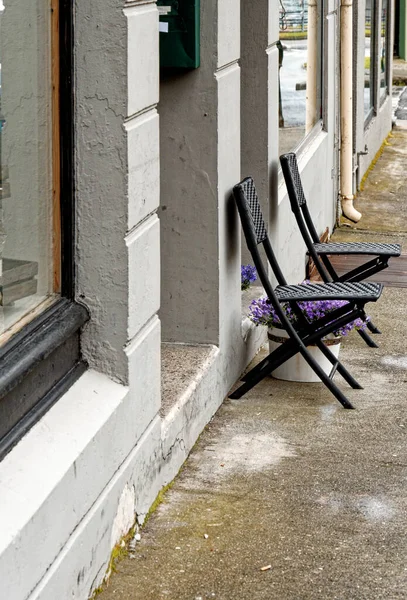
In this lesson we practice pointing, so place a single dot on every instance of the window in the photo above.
(300, 70)
(369, 59)
(26, 240)
(383, 49)
(376, 66)
(39, 322)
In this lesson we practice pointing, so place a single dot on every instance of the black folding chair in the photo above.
(303, 333)
(319, 251)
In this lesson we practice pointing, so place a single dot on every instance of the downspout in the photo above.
(346, 84)
(311, 93)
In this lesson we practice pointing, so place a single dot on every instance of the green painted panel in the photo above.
(179, 33)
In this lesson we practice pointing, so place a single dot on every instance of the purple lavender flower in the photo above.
(248, 276)
(261, 312)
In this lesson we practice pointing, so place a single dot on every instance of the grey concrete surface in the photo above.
(180, 365)
(401, 111)
(399, 71)
(286, 479)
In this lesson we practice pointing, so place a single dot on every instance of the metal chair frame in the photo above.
(319, 251)
(304, 333)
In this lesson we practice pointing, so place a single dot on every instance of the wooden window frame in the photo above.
(42, 360)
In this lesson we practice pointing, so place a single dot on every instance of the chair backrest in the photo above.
(252, 201)
(289, 166)
(298, 202)
(293, 182)
(296, 195)
(255, 231)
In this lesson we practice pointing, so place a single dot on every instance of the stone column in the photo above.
(259, 63)
(200, 163)
(117, 167)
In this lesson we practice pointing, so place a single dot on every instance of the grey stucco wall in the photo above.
(101, 180)
(259, 97)
(189, 195)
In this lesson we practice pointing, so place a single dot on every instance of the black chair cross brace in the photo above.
(303, 333)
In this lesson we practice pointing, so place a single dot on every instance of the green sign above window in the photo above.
(179, 33)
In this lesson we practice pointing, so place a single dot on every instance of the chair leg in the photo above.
(372, 327)
(268, 368)
(366, 337)
(339, 367)
(326, 380)
(255, 376)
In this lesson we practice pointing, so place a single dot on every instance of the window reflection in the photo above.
(25, 158)
(383, 47)
(369, 60)
(300, 71)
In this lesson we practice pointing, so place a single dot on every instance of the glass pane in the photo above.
(300, 72)
(25, 156)
(369, 60)
(383, 47)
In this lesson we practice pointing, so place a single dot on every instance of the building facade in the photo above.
(121, 313)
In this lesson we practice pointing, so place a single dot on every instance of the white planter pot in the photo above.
(297, 368)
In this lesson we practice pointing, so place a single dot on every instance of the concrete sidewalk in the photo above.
(286, 494)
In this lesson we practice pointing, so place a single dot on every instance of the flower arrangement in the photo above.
(261, 312)
(248, 275)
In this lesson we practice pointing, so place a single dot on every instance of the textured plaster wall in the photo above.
(189, 195)
(101, 180)
(259, 96)
(200, 163)
(117, 160)
(256, 44)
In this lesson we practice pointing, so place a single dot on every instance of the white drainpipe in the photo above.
(346, 84)
(312, 56)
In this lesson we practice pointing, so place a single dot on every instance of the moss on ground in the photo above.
(374, 161)
(119, 552)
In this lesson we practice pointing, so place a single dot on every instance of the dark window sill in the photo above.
(36, 367)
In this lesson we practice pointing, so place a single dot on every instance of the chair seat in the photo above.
(375, 248)
(364, 291)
